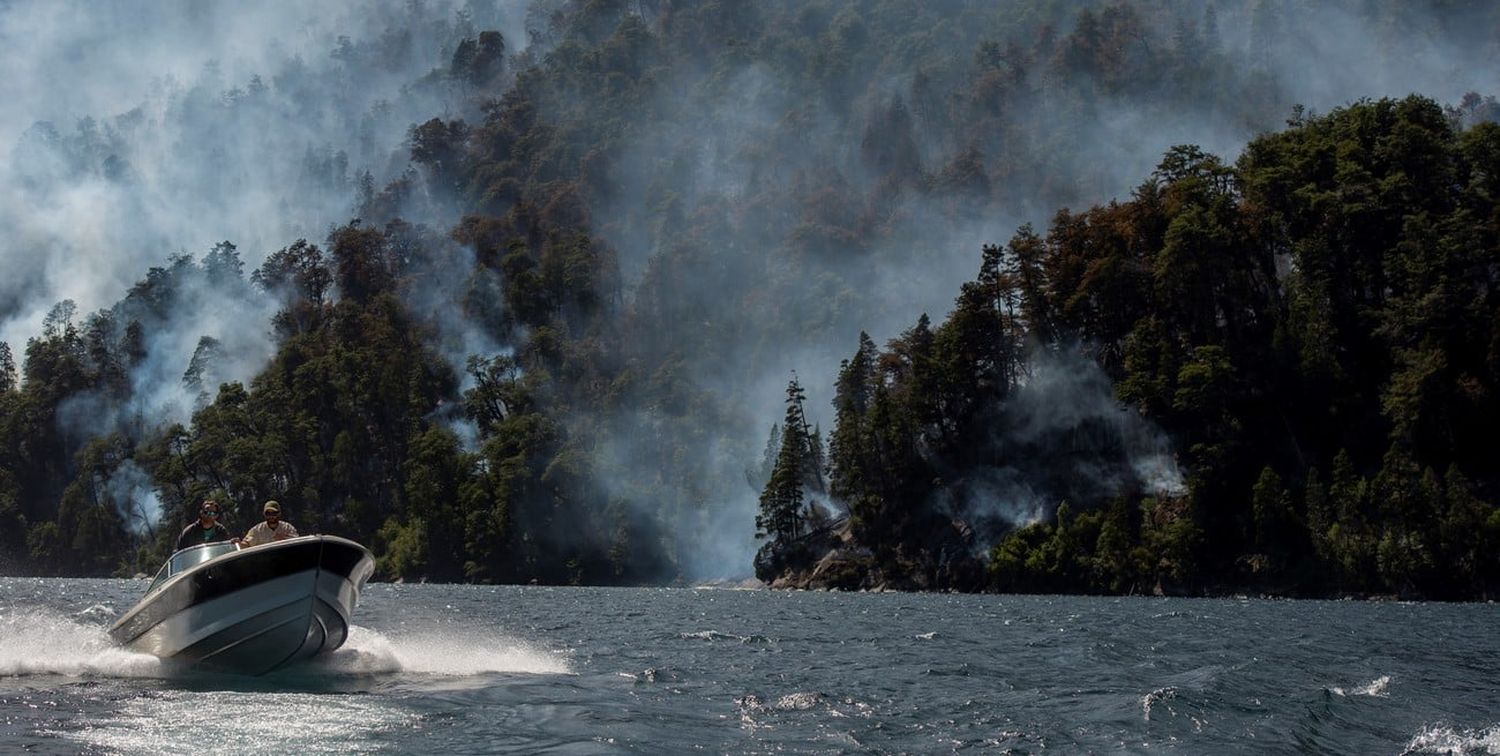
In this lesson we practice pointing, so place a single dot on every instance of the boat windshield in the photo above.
(189, 557)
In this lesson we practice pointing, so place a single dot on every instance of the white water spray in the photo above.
(45, 642)
(446, 653)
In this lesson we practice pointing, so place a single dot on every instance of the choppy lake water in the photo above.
(479, 669)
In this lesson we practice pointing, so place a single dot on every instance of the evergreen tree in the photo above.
(782, 513)
(7, 369)
(849, 446)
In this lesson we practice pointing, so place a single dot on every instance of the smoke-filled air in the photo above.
(1120, 297)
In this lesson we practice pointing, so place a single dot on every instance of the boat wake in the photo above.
(442, 653)
(37, 642)
(44, 642)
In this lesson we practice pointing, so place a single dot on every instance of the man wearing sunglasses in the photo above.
(207, 529)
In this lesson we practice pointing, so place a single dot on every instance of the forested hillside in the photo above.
(548, 337)
(1314, 327)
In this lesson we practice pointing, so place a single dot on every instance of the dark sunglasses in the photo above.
(209, 512)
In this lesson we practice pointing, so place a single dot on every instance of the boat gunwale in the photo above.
(255, 553)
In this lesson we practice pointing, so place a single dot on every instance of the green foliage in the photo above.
(1271, 507)
(781, 519)
(403, 549)
(1172, 539)
(1362, 358)
(1315, 327)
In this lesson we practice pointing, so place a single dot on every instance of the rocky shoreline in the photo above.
(834, 560)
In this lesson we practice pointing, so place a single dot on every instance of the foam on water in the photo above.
(1448, 740)
(45, 642)
(1154, 697)
(455, 669)
(756, 713)
(715, 635)
(799, 701)
(1376, 688)
(446, 652)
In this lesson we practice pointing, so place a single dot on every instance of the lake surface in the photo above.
(479, 669)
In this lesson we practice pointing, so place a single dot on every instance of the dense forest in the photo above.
(1314, 326)
(542, 340)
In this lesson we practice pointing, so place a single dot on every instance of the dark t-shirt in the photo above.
(194, 535)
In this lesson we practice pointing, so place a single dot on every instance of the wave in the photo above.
(1154, 697)
(757, 713)
(1376, 688)
(651, 675)
(47, 642)
(801, 701)
(715, 635)
(444, 652)
(1448, 740)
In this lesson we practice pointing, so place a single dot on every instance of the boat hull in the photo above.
(254, 610)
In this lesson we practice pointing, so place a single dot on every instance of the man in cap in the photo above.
(273, 529)
(207, 529)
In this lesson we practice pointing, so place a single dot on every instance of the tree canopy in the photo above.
(1276, 371)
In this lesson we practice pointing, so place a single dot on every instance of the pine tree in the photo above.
(781, 503)
(848, 446)
(7, 368)
(808, 442)
(759, 475)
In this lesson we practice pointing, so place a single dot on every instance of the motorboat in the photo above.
(249, 610)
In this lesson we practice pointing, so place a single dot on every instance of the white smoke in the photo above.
(728, 136)
(134, 496)
(134, 132)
